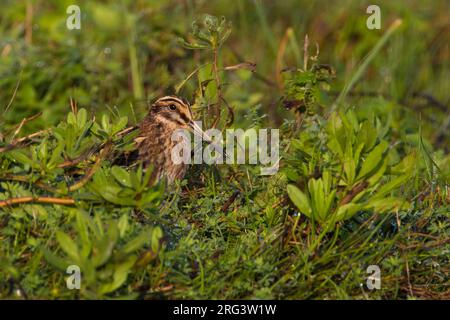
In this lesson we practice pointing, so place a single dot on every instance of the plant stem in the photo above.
(134, 65)
(14, 201)
(218, 85)
(91, 172)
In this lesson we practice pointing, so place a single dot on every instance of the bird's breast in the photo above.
(155, 149)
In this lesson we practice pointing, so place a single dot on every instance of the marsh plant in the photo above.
(347, 171)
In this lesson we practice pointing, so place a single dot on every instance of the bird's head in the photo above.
(172, 111)
(175, 113)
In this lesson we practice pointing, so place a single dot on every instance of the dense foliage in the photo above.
(364, 129)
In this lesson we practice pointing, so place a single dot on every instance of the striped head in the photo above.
(174, 113)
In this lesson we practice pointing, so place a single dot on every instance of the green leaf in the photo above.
(123, 225)
(390, 186)
(367, 135)
(387, 204)
(347, 210)
(122, 176)
(68, 245)
(315, 188)
(81, 117)
(120, 124)
(300, 200)
(19, 156)
(82, 228)
(329, 201)
(321, 201)
(407, 165)
(120, 276)
(106, 123)
(372, 161)
(71, 119)
(138, 242)
(54, 260)
(336, 135)
(43, 150)
(56, 154)
(111, 194)
(150, 198)
(106, 245)
(82, 135)
(157, 234)
(376, 176)
(349, 166)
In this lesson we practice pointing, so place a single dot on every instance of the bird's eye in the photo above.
(172, 107)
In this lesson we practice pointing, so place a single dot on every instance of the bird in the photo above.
(154, 141)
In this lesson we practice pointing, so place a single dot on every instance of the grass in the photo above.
(225, 232)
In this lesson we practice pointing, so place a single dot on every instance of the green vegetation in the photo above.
(364, 125)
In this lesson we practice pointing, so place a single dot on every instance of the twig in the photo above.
(230, 201)
(247, 65)
(18, 142)
(29, 23)
(257, 75)
(73, 105)
(230, 114)
(354, 192)
(77, 160)
(126, 130)
(25, 179)
(14, 93)
(23, 122)
(72, 162)
(427, 245)
(51, 200)
(305, 53)
(93, 169)
(31, 136)
(73, 187)
(408, 278)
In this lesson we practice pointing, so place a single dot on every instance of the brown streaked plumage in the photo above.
(155, 143)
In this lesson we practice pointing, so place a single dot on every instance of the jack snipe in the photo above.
(154, 142)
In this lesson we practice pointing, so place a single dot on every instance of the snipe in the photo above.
(154, 142)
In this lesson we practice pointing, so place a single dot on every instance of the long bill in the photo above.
(199, 132)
